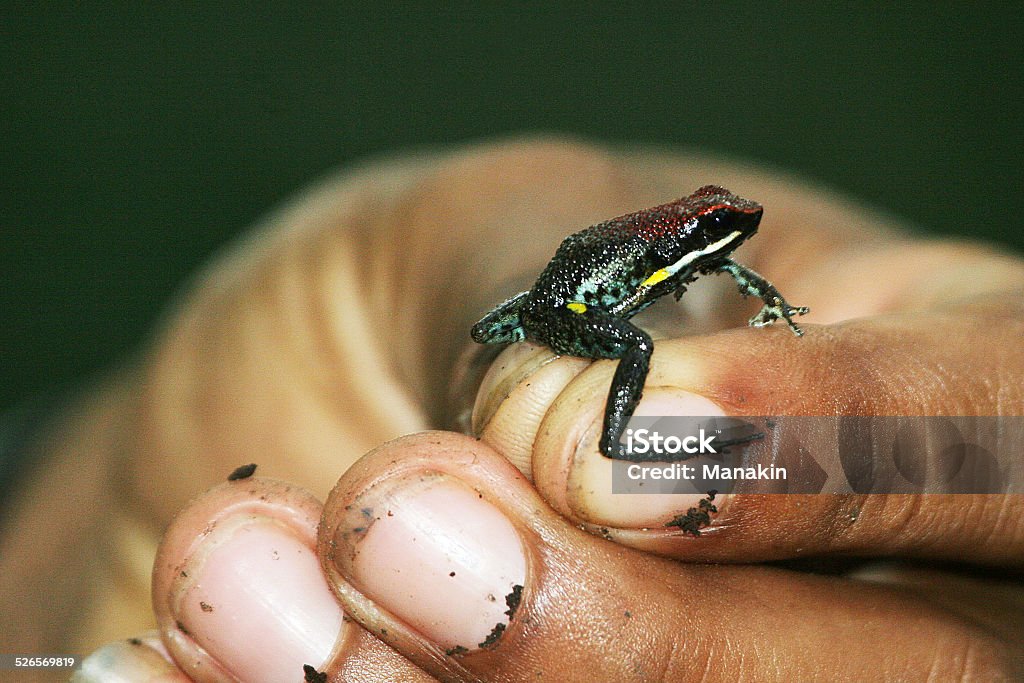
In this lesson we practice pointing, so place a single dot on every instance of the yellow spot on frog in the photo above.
(655, 278)
(576, 307)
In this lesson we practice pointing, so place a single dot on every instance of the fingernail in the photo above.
(590, 481)
(435, 554)
(136, 659)
(254, 597)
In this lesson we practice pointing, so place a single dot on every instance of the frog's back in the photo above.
(592, 269)
(607, 262)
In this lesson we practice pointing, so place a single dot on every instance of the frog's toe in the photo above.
(783, 311)
(611, 449)
(789, 311)
(766, 316)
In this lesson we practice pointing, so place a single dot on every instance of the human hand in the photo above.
(425, 541)
(240, 376)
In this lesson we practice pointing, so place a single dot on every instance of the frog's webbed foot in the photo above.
(776, 310)
(503, 325)
(775, 306)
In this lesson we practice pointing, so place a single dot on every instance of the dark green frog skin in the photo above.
(602, 276)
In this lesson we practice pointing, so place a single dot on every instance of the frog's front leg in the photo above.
(579, 330)
(775, 306)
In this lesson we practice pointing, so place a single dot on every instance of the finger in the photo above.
(239, 595)
(942, 362)
(996, 603)
(441, 547)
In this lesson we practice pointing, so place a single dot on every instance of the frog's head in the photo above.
(725, 219)
(717, 222)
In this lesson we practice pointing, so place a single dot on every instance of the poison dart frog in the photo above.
(602, 276)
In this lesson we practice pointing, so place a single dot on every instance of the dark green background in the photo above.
(138, 140)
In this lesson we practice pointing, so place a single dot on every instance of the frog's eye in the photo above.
(721, 218)
(718, 222)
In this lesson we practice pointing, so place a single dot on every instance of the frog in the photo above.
(600, 277)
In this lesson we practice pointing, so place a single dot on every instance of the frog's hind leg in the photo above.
(775, 307)
(503, 325)
(626, 390)
(594, 333)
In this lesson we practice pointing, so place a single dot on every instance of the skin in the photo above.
(297, 355)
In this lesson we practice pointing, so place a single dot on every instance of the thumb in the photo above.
(441, 548)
